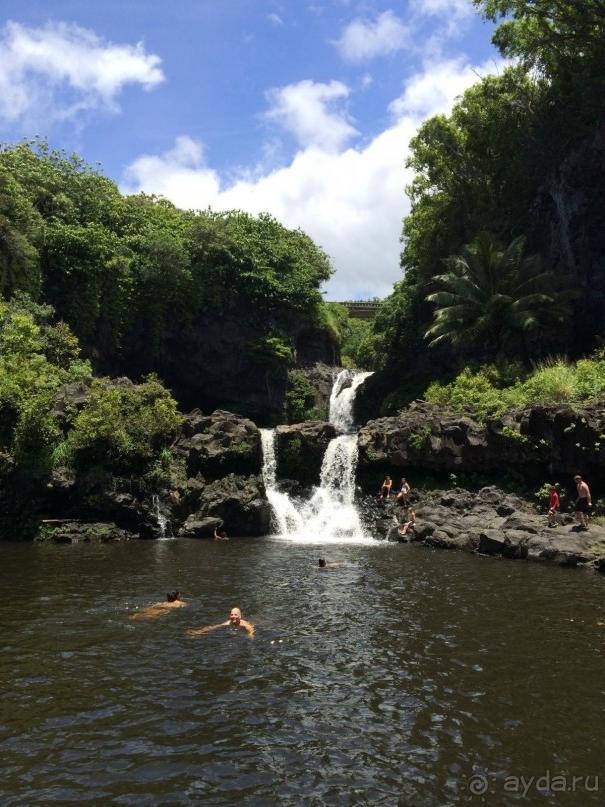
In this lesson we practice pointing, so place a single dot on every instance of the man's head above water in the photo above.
(321, 562)
(235, 616)
(173, 596)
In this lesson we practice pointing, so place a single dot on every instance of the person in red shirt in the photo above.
(554, 506)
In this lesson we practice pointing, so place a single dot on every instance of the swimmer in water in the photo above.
(322, 564)
(235, 621)
(173, 600)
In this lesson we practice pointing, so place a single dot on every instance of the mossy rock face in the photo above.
(88, 532)
(300, 450)
(219, 444)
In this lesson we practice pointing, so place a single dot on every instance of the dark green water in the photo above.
(390, 681)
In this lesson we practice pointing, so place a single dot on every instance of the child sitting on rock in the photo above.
(409, 525)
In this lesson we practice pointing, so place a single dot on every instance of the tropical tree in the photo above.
(493, 298)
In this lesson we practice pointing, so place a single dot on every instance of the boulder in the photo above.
(219, 444)
(300, 449)
(195, 527)
(539, 442)
(239, 502)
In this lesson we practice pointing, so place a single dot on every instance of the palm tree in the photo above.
(493, 297)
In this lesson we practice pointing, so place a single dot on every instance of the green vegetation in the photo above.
(122, 428)
(485, 394)
(476, 281)
(491, 298)
(116, 267)
(418, 440)
(36, 358)
(300, 403)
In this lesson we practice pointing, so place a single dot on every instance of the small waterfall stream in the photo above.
(330, 514)
(161, 520)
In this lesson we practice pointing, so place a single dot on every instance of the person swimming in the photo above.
(235, 621)
(323, 564)
(173, 600)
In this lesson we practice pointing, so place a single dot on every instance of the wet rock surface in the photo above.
(239, 503)
(489, 522)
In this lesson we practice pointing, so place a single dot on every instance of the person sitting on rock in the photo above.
(554, 506)
(410, 524)
(173, 600)
(385, 489)
(235, 621)
(404, 492)
(220, 536)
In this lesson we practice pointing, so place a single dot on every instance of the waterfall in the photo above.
(160, 518)
(286, 516)
(330, 514)
(343, 397)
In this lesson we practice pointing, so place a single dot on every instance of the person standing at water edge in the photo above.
(235, 621)
(554, 506)
(583, 502)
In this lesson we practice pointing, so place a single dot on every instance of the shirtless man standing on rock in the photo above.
(235, 621)
(583, 502)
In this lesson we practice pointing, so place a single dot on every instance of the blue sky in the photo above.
(304, 109)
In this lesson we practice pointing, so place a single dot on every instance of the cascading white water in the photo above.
(160, 518)
(330, 514)
(286, 516)
(342, 398)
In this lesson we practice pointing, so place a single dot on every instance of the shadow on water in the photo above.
(392, 679)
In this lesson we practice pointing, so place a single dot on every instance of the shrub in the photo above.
(123, 428)
(300, 399)
(418, 440)
(553, 382)
(470, 392)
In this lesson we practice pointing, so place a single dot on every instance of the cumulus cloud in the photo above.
(431, 92)
(365, 39)
(312, 112)
(350, 201)
(61, 69)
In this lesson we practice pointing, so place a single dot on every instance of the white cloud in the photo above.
(460, 8)
(452, 18)
(431, 92)
(310, 111)
(363, 39)
(61, 69)
(351, 201)
(275, 19)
